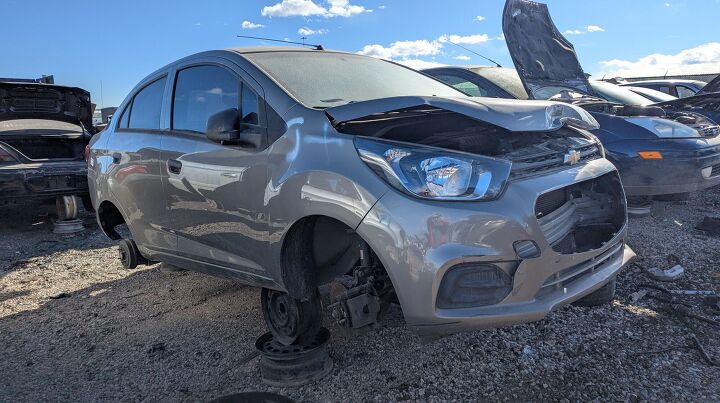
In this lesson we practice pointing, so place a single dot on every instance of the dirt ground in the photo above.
(150, 335)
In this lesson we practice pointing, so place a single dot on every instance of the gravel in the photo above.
(74, 326)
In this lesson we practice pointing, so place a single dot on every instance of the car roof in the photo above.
(274, 49)
(666, 81)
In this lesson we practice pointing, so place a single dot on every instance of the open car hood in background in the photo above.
(45, 101)
(542, 56)
(712, 86)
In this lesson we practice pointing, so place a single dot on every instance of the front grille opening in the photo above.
(583, 216)
(565, 278)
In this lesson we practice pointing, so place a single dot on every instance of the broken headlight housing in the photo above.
(557, 115)
(432, 173)
(664, 128)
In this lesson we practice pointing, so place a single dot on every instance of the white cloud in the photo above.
(419, 64)
(479, 18)
(702, 59)
(251, 25)
(470, 39)
(500, 37)
(420, 47)
(589, 29)
(306, 8)
(462, 57)
(309, 31)
(343, 8)
(382, 7)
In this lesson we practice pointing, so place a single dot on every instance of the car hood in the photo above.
(44, 101)
(712, 86)
(541, 54)
(510, 114)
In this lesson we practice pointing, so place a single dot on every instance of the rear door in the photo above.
(134, 172)
(215, 192)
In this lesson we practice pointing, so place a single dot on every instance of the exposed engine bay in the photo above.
(530, 152)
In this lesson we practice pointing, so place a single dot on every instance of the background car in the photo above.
(675, 87)
(322, 174)
(44, 130)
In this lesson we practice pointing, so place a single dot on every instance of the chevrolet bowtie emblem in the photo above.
(572, 157)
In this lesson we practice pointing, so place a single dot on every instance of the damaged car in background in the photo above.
(44, 131)
(659, 153)
(341, 183)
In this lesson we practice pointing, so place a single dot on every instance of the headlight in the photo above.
(432, 173)
(664, 128)
(558, 115)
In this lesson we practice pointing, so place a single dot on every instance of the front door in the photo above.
(214, 191)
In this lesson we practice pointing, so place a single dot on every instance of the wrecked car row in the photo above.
(340, 183)
(661, 150)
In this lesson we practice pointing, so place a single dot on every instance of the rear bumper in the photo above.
(43, 180)
(677, 172)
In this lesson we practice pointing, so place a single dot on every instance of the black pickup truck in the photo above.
(44, 130)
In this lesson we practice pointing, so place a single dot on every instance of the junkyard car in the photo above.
(327, 176)
(44, 130)
(675, 87)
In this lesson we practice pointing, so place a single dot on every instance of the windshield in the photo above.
(507, 79)
(324, 79)
(618, 94)
(651, 94)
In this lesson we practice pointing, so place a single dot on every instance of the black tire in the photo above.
(129, 254)
(601, 296)
(290, 320)
(87, 203)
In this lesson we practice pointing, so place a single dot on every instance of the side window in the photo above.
(146, 106)
(125, 118)
(463, 85)
(684, 91)
(201, 92)
(250, 106)
(664, 88)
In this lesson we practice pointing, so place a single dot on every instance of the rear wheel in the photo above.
(290, 320)
(599, 297)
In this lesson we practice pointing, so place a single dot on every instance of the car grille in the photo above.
(565, 277)
(715, 170)
(552, 161)
(582, 216)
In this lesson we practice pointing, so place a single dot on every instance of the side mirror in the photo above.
(224, 126)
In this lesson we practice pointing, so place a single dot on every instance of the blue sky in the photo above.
(84, 42)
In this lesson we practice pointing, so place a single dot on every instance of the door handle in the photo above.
(116, 158)
(174, 166)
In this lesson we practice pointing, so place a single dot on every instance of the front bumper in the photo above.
(419, 241)
(677, 172)
(43, 179)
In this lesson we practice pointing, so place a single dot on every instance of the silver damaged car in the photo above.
(341, 184)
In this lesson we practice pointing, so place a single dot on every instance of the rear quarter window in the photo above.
(146, 106)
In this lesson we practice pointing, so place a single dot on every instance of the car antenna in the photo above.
(316, 47)
(476, 53)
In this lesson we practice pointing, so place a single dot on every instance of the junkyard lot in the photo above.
(152, 335)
